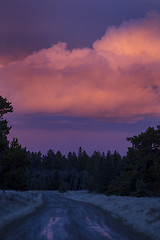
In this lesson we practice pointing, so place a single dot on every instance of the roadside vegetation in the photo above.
(136, 174)
(15, 204)
(141, 214)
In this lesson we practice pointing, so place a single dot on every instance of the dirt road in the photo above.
(64, 219)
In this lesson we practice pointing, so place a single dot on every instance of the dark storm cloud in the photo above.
(57, 123)
(42, 132)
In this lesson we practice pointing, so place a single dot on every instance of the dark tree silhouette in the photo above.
(5, 107)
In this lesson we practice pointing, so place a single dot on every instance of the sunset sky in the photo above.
(80, 72)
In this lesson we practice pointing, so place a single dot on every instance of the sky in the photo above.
(80, 73)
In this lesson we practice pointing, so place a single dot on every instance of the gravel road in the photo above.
(64, 219)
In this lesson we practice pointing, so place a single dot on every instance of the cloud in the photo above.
(117, 79)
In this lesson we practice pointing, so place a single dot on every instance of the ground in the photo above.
(143, 214)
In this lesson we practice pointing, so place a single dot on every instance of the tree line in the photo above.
(136, 174)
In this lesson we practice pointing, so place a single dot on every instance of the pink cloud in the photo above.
(118, 79)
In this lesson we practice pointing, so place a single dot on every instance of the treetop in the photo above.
(5, 106)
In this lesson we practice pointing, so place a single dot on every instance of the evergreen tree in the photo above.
(145, 157)
(5, 107)
(14, 163)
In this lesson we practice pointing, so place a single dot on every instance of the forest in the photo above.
(136, 174)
